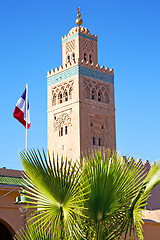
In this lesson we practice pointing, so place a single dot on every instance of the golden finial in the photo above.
(79, 20)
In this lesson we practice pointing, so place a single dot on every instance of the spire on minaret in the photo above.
(79, 21)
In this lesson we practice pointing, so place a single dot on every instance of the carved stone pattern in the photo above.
(61, 120)
(87, 45)
(70, 46)
(96, 86)
(97, 131)
(62, 93)
(62, 88)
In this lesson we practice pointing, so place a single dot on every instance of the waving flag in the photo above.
(20, 111)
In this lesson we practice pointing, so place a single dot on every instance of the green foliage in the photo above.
(33, 232)
(101, 198)
(56, 192)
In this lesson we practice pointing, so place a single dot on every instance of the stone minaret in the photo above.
(81, 108)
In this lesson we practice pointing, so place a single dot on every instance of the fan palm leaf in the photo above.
(56, 193)
(140, 201)
(33, 232)
(113, 184)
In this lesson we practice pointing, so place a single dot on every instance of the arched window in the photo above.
(93, 94)
(99, 141)
(106, 98)
(54, 100)
(85, 57)
(65, 130)
(68, 58)
(70, 93)
(60, 98)
(87, 92)
(99, 96)
(90, 59)
(73, 56)
(93, 141)
(66, 96)
(61, 131)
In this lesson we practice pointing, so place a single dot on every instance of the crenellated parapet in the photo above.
(81, 31)
(61, 69)
(97, 67)
(68, 65)
(146, 165)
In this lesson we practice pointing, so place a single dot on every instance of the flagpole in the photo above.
(26, 112)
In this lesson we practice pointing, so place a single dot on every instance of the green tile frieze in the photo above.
(82, 71)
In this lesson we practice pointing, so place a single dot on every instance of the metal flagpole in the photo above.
(26, 112)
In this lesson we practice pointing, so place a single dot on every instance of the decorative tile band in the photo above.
(83, 71)
(62, 75)
(91, 73)
(81, 35)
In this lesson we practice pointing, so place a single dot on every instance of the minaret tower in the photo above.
(81, 108)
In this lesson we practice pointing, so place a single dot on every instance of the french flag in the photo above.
(20, 111)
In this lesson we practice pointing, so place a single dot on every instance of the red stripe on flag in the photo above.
(19, 115)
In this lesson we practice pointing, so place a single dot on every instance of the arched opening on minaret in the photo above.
(60, 97)
(68, 58)
(90, 59)
(93, 94)
(70, 93)
(93, 141)
(66, 130)
(66, 96)
(99, 141)
(73, 56)
(99, 96)
(54, 99)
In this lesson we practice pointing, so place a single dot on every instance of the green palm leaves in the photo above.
(113, 184)
(101, 198)
(57, 193)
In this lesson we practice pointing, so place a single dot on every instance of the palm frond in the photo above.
(140, 201)
(56, 192)
(113, 184)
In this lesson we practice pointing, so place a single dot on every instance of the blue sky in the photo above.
(128, 41)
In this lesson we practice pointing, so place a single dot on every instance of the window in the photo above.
(65, 130)
(102, 127)
(93, 94)
(93, 140)
(68, 58)
(61, 131)
(73, 57)
(66, 96)
(60, 98)
(91, 124)
(70, 93)
(99, 141)
(90, 59)
(99, 97)
(85, 57)
(54, 100)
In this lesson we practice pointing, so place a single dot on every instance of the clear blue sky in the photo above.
(128, 41)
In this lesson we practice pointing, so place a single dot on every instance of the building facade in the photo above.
(81, 108)
(11, 219)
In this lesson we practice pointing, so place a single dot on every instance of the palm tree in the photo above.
(101, 198)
